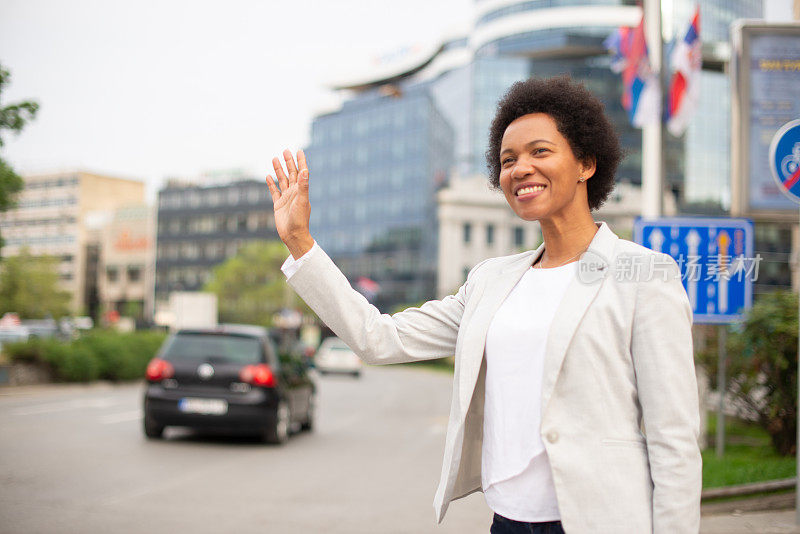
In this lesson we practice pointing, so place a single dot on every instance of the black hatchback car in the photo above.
(227, 378)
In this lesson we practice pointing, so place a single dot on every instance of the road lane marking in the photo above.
(64, 406)
(121, 417)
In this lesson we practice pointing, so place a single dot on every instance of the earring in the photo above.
(582, 179)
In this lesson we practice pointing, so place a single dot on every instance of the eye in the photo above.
(540, 150)
(505, 161)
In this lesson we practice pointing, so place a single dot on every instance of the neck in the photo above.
(564, 240)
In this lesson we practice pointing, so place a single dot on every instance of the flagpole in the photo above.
(652, 142)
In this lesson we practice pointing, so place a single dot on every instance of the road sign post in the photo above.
(722, 386)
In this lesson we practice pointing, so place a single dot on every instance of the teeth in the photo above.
(526, 190)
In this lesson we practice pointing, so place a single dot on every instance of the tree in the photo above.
(762, 366)
(250, 286)
(12, 118)
(29, 287)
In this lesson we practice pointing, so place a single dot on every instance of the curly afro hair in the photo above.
(579, 117)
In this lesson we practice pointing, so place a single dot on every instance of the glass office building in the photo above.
(402, 133)
(377, 164)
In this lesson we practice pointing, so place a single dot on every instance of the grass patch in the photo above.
(749, 456)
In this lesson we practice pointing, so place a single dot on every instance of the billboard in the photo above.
(765, 79)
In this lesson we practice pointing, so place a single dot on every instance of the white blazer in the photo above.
(620, 412)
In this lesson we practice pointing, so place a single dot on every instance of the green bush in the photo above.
(72, 363)
(101, 354)
(762, 366)
(24, 351)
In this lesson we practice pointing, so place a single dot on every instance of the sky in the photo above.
(176, 88)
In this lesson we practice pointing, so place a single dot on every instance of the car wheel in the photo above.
(308, 425)
(278, 432)
(152, 429)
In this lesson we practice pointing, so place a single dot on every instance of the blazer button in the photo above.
(552, 437)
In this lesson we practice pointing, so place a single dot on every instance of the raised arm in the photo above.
(427, 332)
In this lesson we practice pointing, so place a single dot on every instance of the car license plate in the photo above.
(203, 406)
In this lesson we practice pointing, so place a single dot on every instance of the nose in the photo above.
(522, 167)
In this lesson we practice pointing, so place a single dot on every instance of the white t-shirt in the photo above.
(516, 477)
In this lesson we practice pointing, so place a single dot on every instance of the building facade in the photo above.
(200, 226)
(51, 219)
(377, 164)
(126, 263)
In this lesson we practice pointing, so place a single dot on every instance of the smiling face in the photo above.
(539, 173)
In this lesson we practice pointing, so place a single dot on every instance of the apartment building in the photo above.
(50, 219)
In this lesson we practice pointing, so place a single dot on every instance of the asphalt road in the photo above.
(74, 459)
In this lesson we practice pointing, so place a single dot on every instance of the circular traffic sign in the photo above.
(784, 159)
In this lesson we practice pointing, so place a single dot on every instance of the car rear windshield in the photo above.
(214, 347)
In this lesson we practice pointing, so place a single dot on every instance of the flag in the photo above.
(640, 85)
(684, 91)
(640, 94)
(617, 43)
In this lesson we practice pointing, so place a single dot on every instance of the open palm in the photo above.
(290, 198)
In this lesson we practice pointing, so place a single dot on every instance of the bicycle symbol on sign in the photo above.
(791, 163)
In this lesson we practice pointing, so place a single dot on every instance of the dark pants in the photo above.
(504, 525)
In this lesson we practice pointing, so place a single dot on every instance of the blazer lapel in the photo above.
(495, 292)
(592, 269)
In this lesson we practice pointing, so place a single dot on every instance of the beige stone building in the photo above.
(50, 220)
(126, 265)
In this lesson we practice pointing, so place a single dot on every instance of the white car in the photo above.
(334, 356)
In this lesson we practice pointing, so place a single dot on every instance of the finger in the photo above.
(301, 161)
(273, 189)
(283, 182)
(290, 166)
(302, 183)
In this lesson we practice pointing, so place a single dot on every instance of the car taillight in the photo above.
(258, 375)
(159, 369)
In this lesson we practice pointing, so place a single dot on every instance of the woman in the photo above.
(574, 397)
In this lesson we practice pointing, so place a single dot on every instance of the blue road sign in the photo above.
(715, 256)
(784, 159)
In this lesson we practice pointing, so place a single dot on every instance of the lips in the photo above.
(529, 191)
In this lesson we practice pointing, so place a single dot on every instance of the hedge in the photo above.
(100, 354)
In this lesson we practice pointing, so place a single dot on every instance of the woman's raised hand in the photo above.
(290, 202)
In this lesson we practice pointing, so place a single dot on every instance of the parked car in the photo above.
(334, 356)
(228, 378)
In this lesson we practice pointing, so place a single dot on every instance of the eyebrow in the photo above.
(529, 144)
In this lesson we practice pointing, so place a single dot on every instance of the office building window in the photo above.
(134, 273)
(490, 234)
(112, 273)
(519, 236)
(467, 232)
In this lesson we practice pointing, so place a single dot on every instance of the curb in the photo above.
(749, 489)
